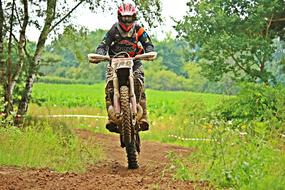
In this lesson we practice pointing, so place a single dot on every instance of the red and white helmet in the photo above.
(127, 15)
(127, 9)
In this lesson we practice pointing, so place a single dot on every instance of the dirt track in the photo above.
(109, 174)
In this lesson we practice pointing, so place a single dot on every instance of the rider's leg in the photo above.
(140, 94)
(109, 92)
(143, 122)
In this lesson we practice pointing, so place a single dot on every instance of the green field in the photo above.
(159, 102)
(169, 111)
(249, 155)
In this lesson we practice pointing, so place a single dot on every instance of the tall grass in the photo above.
(243, 152)
(43, 146)
(238, 161)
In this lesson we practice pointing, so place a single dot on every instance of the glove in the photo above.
(101, 51)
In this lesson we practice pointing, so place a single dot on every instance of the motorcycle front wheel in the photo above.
(128, 130)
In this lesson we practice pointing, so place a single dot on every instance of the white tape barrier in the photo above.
(204, 139)
(79, 116)
(190, 139)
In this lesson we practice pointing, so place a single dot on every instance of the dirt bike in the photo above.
(126, 112)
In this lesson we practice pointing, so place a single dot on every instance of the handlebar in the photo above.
(96, 58)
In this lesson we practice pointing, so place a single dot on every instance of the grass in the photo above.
(43, 146)
(168, 111)
(238, 161)
(167, 107)
(92, 96)
(57, 95)
(228, 161)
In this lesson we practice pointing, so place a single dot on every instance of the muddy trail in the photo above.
(111, 173)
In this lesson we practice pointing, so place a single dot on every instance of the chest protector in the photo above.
(127, 41)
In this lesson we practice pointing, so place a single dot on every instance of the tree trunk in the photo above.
(21, 45)
(7, 86)
(23, 106)
(263, 76)
(2, 60)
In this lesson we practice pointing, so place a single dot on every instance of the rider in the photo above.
(125, 36)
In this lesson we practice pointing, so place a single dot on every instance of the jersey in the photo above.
(117, 40)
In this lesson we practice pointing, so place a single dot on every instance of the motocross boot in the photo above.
(110, 125)
(144, 126)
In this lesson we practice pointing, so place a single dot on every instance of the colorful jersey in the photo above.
(117, 40)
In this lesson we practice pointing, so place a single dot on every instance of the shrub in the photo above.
(256, 103)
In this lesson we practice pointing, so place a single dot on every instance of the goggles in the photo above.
(127, 19)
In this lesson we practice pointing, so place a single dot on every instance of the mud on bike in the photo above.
(125, 110)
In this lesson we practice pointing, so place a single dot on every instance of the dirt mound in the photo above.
(110, 174)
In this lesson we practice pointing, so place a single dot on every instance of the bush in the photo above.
(261, 104)
(166, 80)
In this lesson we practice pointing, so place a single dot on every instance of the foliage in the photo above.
(198, 83)
(161, 79)
(74, 64)
(233, 37)
(261, 104)
(73, 46)
(41, 146)
(172, 52)
(277, 66)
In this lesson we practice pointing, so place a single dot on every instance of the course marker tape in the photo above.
(82, 116)
(190, 139)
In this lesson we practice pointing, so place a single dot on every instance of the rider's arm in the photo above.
(103, 47)
(145, 40)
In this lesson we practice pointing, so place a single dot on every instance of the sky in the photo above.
(170, 8)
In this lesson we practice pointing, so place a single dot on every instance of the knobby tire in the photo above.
(127, 129)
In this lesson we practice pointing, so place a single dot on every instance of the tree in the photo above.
(172, 52)
(234, 36)
(46, 15)
(73, 45)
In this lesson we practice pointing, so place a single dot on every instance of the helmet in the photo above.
(126, 16)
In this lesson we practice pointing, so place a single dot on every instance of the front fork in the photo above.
(116, 98)
(133, 97)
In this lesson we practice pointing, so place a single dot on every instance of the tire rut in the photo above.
(110, 174)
